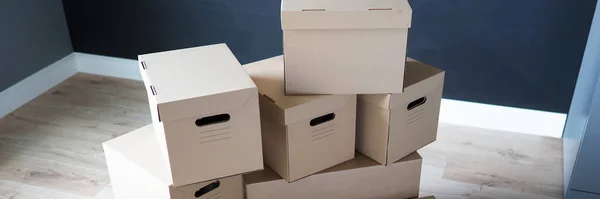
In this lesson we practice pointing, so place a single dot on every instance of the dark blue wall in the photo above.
(33, 35)
(128, 28)
(507, 52)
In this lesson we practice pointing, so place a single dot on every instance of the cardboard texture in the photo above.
(302, 135)
(359, 178)
(137, 170)
(205, 112)
(391, 126)
(344, 47)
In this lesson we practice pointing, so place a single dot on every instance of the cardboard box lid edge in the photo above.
(401, 9)
(259, 178)
(317, 108)
(337, 5)
(172, 111)
(292, 20)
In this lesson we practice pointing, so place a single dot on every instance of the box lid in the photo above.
(418, 78)
(359, 161)
(268, 75)
(345, 14)
(141, 148)
(188, 74)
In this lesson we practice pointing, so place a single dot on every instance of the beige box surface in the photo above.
(391, 126)
(344, 46)
(137, 170)
(205, 112)
(302, 135)
(360, 178)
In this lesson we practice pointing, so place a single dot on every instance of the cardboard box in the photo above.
(137, 170)
(356, 179)
(391, 126)
(205, 112)
(302, 135)
(344, 46)
(428, 197)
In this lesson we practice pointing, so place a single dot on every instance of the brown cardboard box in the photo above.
(391, 126)
(205, 112)
(344, 46)
(302, 135)
(137, 170)
(355, 179)
(428, 197)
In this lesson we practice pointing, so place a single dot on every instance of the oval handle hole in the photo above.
(322, 119)
(210, 120)
(416, 103)
(207, 188)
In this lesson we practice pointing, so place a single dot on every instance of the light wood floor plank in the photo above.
(51, 148)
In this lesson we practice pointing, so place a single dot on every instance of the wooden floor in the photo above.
(51, 148)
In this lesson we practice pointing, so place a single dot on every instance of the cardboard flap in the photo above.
(343, 14)
(180, 75)
(268, 75)
(146, 154)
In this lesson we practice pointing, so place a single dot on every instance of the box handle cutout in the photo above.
(144, 65)
(416, 103)
(322, 119)
(374, 9)
(210, 120)
(313, 9)
(208, 188)
(153, 90)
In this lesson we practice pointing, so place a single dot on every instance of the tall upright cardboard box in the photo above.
(137, 170)
(359, 178)
(302, 135)
(205, 111)
(344, 46)
(391, 126)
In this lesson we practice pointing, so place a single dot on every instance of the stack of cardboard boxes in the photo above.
(340, 115)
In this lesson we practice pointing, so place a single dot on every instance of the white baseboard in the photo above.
(108, 66)
(502, 118)
(452, 111)
(36, 84)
